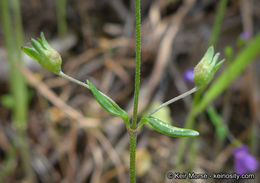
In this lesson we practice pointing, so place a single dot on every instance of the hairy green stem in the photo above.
(138, 61)
(132, 141)
(174, 100)
(132, 131)
(73, 80)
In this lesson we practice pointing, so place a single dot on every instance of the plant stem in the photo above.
(218, 21)
(193, 152)
(20, 84)
(132, 131)
(132, 140)
(73, 80)
(13, 41)
(174, 100)
(61, 17)
(138, 61)
(189, 124)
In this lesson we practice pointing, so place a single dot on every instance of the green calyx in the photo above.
(206, 68)
(44, 54)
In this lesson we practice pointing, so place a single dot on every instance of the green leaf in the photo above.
(108, 104)
(239, 64)
(170, 130)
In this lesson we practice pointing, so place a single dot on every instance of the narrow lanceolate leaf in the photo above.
(170, 130)
(108, 104)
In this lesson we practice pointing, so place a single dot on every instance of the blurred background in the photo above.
(52, 130)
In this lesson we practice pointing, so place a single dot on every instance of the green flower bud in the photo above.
(44, 54)
(206, 68)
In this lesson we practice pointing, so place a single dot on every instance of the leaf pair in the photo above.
(51, 60)
(111, 107)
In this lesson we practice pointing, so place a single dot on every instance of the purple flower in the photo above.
(244, 162)
(188, 75)
(244, 35)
